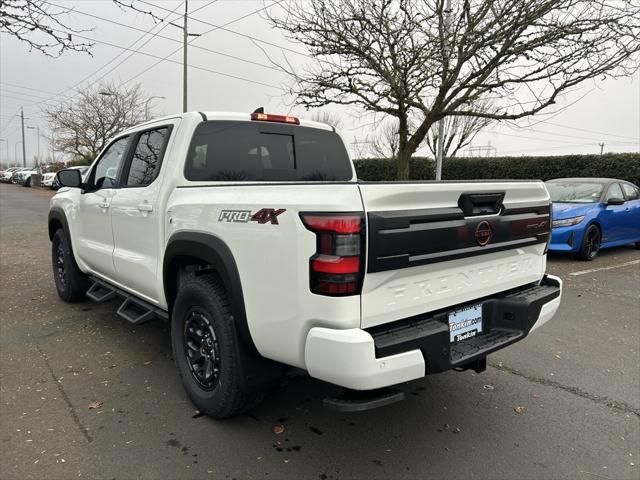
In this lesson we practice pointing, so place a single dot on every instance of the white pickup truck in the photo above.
(252, 235)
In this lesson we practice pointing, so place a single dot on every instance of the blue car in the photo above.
(590, 214)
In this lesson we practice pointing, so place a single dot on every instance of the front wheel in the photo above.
(214, 365)
(71, 283)
(590, 243)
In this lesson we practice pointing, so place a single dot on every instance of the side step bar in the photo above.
(134, 310)
(100, 292)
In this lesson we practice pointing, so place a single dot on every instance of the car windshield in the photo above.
(575, 192)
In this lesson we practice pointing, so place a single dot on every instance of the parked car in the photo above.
(82, 168)
(23, 177)
(590, 214)
(15, 176)
(6, 175)
(48, 179)
(252, 235)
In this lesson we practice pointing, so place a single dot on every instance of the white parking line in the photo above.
(593, 270)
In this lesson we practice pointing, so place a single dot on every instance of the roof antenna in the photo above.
(259, 110)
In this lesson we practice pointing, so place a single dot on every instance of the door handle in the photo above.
(145, 207)
(104, 205)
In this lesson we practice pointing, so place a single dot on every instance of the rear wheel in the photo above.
(71, 283)
(590, 243)
(216, 368)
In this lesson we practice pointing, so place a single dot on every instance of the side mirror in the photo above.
(615, 201)
(69, 178)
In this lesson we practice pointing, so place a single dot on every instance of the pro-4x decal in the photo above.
(264, 215)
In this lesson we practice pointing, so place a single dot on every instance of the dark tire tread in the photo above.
(235, 393)
(582, 253)
(77, 282)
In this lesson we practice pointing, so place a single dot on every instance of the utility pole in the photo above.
(601, 147)
(24, 149)
(440, 147)
(185, 36)
(7, 144)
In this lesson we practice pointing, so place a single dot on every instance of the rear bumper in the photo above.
(411, 348)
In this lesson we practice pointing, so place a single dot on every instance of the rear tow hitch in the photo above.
(477, 366)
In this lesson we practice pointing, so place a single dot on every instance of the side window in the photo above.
(106, 171)
(632, 192)
(614, 192)
(147, 157)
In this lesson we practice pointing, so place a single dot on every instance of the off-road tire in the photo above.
(243, 379)
(71, 283)
(591, 242)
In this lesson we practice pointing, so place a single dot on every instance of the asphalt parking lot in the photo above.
(563, 403)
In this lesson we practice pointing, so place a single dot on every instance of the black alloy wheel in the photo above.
(201, 349)
(60, 269)
(590, 243)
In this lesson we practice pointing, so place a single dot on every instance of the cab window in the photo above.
(105, 173)
(147, 157)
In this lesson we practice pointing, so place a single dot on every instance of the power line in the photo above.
(564, 135)
(589, 131)
(21, 99)
(28, 88)
(548, 148)
(174, 40)
(553, 140)
(223, 27)
(24, 94)
(13, 117)
(216, 27)
(116, 57)
(163, 59)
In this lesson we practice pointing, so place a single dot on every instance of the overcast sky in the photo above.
(602, 112)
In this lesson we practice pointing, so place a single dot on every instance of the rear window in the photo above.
(260, 151)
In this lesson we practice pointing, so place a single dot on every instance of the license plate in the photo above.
(465, 323)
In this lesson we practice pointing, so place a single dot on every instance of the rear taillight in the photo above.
(336, 269)
(550, 228)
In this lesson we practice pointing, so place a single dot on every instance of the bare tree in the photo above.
(385, 142)
(330, 118)
(83, 126)
(459, 131)
(412, 59)
(41, 25)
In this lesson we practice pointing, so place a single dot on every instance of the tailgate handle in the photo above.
(473, 204)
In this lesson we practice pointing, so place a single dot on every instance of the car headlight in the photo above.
(568, 222)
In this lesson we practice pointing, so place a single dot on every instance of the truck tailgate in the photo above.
(438, 245)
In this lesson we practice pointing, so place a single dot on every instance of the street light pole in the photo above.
(185, 36)
(24, 148)
(37, 129)
(146, 106)
(440, 149)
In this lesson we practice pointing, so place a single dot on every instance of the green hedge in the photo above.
(625, 166)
